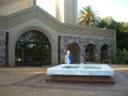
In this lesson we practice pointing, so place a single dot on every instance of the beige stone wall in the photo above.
(38, 19)
(73, 30)
(30, 13)
(16, 6)
(3, 22)
(34, 24)
(30, 19)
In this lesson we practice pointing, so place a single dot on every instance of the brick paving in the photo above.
(32, 82)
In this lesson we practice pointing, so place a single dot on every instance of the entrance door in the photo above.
(33, 49)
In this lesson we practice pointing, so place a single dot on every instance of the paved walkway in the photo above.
(31, 82)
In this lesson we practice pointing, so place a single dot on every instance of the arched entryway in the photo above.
(104, 52)
(33, 49)
(75, 52)
(90, 52)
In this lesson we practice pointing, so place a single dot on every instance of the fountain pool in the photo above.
(81, 69)
(89, 73)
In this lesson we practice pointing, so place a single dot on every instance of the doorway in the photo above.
(33, 49)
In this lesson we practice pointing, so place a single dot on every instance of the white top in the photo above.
(81, 69)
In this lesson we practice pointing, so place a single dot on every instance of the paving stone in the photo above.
(32, 82)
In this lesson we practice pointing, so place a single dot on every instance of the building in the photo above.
(31, 36)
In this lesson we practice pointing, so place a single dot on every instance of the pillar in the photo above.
(66, 11)
(70, 11)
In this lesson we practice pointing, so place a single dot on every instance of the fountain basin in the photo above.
(81, 70)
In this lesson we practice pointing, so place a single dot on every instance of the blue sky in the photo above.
(118, 9)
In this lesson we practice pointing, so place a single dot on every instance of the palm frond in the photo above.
(87, 16)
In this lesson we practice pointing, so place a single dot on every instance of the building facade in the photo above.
(31, 36)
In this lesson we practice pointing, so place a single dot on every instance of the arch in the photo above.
(75, 51)
(42, 30)
(90, 52)
(33, 48)
(104, 52)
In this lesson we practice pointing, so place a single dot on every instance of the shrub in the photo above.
(122, 57)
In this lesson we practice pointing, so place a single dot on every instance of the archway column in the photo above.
(111, 53)
(3, 47)
(98, 53)
(91, 52)
(83, 46)
(11, 53)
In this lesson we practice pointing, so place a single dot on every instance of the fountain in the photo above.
(98, 73)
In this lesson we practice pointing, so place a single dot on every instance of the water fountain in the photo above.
(94, 73)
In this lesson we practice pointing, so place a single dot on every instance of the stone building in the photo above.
(31, 36)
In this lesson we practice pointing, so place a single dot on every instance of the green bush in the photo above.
(122, 57)
(126, 59)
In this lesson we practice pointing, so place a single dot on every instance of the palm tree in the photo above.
(87, 16)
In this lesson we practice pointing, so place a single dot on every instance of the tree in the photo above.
(124, 27)
(122, 36)
(121, 29)
(87, 17)
(108, 22)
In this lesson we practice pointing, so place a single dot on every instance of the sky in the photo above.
(118, 9)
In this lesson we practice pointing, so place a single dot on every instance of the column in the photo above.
(59, 10)
(70, 11)
(31, 3)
